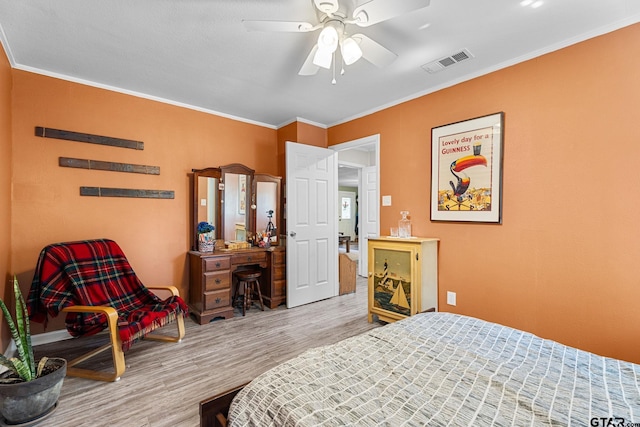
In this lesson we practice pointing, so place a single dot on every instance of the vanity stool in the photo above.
(249, 281)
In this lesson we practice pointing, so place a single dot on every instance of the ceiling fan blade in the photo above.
(279, 26)
(376, 11)
(373, 51)
(309, 68)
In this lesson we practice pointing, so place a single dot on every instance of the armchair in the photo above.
(93, 283)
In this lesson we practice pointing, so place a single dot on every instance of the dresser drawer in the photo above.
(217, 299)
(279, 272)
(279, 288)
(216, 280)
(249, 258)
(219, 263)
(278, 257)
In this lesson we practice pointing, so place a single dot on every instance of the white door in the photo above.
(368, 217)
(312, 241)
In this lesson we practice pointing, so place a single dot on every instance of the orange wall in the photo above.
(154, 234)
(563, 264)
(301, 132)
(5, 184)
(285, 133)
(312, 135)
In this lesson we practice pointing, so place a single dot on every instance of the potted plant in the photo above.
(28, 391)
(206, 242)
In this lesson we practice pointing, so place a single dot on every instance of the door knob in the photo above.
(292, 234)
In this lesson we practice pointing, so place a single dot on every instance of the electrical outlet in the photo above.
(386, 200)
(451, 298)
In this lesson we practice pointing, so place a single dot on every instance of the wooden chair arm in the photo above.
(171, 290)
(112, 314)
(114, 343)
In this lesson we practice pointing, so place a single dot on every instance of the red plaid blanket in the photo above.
(96, 272)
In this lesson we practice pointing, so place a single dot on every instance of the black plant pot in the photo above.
(26, 402)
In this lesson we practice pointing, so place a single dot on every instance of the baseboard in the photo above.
(39, 339)
(49, 337)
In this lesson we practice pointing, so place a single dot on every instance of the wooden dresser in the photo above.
(211, 279)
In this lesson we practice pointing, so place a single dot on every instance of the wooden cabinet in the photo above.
(403, 277)
(211, 280)
(274, 285)
(210, 286)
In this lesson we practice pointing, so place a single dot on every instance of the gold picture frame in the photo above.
(466, 170)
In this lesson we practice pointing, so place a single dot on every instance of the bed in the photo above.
(438, 369)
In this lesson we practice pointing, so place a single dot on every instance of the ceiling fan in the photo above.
(333, 19)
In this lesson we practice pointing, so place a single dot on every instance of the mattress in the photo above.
(440, 369)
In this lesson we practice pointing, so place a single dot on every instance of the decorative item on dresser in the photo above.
(403, 277)
(206, 238)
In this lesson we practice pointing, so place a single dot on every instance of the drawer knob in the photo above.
(217, 281)
(249, 258)
(217, 265)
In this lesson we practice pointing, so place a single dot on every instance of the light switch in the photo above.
(203, 202)
(386, 200)
(451, 298)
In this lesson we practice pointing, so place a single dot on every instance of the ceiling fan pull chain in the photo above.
(334, 69)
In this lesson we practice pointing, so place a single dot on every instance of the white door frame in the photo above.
(367, 140)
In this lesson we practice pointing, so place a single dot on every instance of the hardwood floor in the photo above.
(165, 382)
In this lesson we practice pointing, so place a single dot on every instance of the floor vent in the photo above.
(447, 61)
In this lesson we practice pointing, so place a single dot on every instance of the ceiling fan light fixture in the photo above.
(328, 39)
(322, 58)
(327, 6)
(350, 50)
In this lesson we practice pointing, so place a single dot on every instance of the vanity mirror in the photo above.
(236, 201)
(236, 206)
(206, 201)
(266, 191)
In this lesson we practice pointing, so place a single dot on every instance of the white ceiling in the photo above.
(197, 53)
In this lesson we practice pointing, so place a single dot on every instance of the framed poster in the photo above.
(466, 170)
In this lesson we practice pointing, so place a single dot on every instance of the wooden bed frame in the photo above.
(214, 411)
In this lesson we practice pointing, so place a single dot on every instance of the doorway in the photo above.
(358, 172)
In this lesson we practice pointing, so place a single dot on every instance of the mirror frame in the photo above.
(239, 169)
(197, 173)
(263, 177)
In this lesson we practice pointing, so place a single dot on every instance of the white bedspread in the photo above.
(439, 369)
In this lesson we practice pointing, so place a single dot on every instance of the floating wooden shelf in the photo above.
(86, 137)
(69, 162)
(126, 192)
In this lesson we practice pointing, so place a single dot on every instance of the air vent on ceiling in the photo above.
(447, 61)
